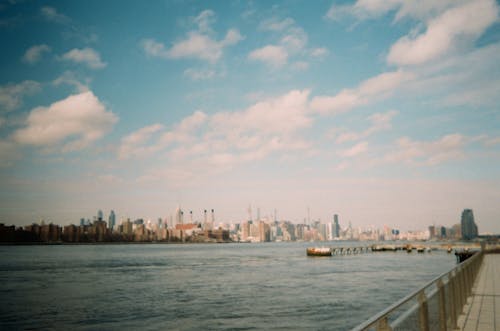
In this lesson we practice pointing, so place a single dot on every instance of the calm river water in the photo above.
(271, 286)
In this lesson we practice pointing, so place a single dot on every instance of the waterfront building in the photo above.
(468, 226)
(264, 232)
(126, 227)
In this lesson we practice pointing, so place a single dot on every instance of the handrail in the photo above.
(456, 279)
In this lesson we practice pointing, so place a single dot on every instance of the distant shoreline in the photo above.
(109, 243)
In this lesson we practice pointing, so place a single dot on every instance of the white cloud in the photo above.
(34, 53)
(196, 75)
(232, 37)
(275, 24)
(342, 102)
(69, 78)
(205, 20)
(87, 56)
(300, 65)
(366, 9)
(196, 46)
(294, 40)
(292, 44)
(449, 147)
(134, 145)
(319, 52)
(379, 122)
(203, 47)
(370, 90)
(199, 43)
(356, 150)
(275, 56)
(51, 14)
(154, 138)
(282, 115)
(74, 123)
(218, 142)
(466, 78)
(153, 48)
(444, 33)
(11, 95)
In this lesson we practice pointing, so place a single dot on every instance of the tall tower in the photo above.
(111, 220)
(249, 212)
(469, 227)
(336, 229)
(100, 215)
(178, 216)
(212, 220)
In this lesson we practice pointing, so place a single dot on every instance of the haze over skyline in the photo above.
(384, 112)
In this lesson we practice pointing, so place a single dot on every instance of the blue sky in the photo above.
(384, 112)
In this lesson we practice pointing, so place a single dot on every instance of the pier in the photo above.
(460, 250)
(465, 298)
(482, 311)
(350, 250)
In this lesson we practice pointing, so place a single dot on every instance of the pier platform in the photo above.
(482, 311)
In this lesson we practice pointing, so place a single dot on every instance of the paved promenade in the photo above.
(482, 313)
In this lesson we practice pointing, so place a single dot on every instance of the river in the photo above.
(271, 286)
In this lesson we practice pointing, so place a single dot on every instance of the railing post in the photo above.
(466, 282)
(458, 299)
(423, 311)
(442, 305)
(463, 289)
(470, 278)
(383, 324)
(452, 302)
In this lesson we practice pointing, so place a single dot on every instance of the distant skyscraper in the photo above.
(469, 227)
(336, 226)
(178, 215)
(112, 220)
(100, 215)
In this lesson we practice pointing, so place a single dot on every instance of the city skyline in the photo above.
(382, 113)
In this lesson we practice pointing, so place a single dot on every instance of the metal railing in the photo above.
(435, 306)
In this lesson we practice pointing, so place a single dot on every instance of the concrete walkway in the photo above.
(482, 311)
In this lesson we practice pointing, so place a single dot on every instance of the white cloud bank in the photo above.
(73, 123)
(88, 56)
(203, 143)
(370, 90)
(51, 14)
(292, 44)
(444, 33)
(199, 43)
(35, 53)
(275, 56)
(11, 95)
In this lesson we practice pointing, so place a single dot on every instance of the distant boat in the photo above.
(319, 251)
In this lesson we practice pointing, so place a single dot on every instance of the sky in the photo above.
(383, 112)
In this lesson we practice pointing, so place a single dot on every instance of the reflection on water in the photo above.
(271, 286)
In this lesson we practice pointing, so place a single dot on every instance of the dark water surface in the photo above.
(271, 286)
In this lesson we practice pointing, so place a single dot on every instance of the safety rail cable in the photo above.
(379, 318)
